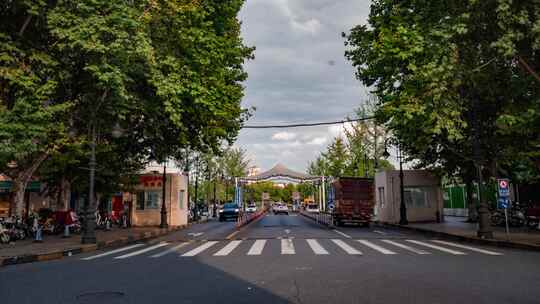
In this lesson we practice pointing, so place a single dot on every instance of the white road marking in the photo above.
(112, 252)
(257, 247)
(412, 249)
(376, 247)
(455, 252)
(228, 249)
(196, 234)
(468, 247)
(170, 250)
(380, 232)
(287, 246)
(346, 247)
(199, 249)
(316, 247)
(125, 256)
(343, 234)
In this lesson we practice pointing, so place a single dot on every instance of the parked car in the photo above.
(314, 208)
(229, 211)
(280, 208)
(251, 208)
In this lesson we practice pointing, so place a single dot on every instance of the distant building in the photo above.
(252, 171)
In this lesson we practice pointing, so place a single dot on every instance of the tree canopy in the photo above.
(167, 73)
(451, 75)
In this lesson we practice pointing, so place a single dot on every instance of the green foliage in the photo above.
(358, 154)
(168, 72)
(443, 70)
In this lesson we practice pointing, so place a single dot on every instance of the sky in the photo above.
(299, 74)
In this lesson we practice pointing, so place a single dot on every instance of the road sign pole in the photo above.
(506, 221)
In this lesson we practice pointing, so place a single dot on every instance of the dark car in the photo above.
(229, 211)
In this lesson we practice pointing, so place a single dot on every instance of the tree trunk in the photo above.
(471, 205)
(66, 193)
(20, 182)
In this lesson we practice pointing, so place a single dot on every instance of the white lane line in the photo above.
(402, 246)
(199, 249)
(287, 246)
(257, 247)
(467, 247)
(112, 252)
(125, 256)
(380, 232)
(316, 247)
(376, 247)
(455, 252)
(346, 248)
(228, 249)
(170, 250)
(343, 234)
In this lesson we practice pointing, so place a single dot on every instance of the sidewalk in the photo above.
(56, 247)
(457, 228)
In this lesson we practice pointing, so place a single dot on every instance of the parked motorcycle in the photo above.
(532, 214)
(4, 234)
(516, 216)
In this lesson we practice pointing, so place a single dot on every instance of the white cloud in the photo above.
(308, 25)
(284, 136)
(317, 141)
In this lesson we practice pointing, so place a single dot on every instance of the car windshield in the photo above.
(230, 206)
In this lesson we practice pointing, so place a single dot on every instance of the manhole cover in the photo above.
(101, 297)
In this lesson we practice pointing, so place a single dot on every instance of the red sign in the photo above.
(151, 180)
(503, 184)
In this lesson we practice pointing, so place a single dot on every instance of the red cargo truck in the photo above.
(353, 200)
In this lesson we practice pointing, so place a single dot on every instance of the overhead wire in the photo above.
(312, 124)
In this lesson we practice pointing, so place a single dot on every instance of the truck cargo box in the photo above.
(353, 200)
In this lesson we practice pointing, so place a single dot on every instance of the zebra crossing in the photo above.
(288, 246)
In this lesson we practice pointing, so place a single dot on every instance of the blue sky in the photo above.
(299, 74)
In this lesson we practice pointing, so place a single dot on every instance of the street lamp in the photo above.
(89, 225)
(402, 207)
(163, 222)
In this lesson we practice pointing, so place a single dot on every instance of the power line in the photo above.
(312, 124)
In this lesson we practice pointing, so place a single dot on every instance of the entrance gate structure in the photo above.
(281, 173)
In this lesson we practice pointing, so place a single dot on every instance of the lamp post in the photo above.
(89, 224)
(402, 207)
(163, 222)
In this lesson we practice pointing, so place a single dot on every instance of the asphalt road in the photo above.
(282, 259)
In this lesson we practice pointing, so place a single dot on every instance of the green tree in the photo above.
(29, 80)
(451, 83)
(117, 64)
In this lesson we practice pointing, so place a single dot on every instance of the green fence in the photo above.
(455, 196)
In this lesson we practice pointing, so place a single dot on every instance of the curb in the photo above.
(469, 239)
(56, 255)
